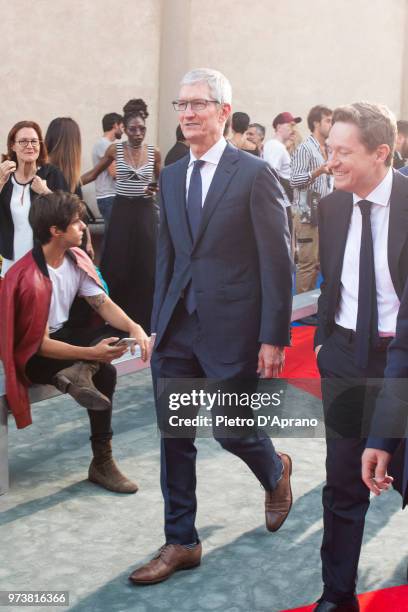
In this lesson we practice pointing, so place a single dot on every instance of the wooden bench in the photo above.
(304, 305)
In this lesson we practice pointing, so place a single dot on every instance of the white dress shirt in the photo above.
(387, 300)
(207, 171)
(277, 156)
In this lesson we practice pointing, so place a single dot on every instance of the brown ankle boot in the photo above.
(77, 381)
(104, 471)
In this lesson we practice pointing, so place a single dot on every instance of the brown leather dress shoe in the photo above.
(279, 501)
(170, 559)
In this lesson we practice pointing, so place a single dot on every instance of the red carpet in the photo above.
(300, 364)
(394, 599)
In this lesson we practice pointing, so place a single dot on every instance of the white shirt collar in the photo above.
(213, 155)
(381, 194)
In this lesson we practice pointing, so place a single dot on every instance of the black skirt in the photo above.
(129, 257)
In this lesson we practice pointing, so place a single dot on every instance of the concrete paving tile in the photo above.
(58, 531)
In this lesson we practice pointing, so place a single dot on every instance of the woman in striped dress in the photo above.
(128, 260)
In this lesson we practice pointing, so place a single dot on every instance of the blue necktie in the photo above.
(194, 212)
(367, 313)
(195, 198)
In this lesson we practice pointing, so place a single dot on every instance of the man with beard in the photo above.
(310, 179)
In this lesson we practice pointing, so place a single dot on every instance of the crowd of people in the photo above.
(209, 277)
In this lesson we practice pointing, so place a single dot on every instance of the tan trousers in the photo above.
(307, 249)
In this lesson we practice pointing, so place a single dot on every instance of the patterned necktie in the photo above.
(194, 212)
(367, 313)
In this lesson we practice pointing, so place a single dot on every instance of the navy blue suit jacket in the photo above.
(391, 414)
(239, 264)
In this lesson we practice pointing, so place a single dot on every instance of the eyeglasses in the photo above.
(34, 142)
(195, 105)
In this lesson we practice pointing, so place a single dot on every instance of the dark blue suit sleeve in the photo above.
(391, 413)
(275, 263)
(164, 262)
(320, 334)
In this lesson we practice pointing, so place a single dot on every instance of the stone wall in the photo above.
(83, 59)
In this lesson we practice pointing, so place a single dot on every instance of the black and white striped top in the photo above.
(131, 182)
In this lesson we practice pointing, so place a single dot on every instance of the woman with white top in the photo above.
(128, 260)
(24, 172)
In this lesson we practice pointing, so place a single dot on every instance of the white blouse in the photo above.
(20, 204)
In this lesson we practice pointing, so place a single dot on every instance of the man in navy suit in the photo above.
(222, 302)
(363, 235)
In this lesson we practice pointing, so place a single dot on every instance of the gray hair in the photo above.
(219, 85)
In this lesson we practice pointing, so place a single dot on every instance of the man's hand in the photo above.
(142, 339)
(327, 168)
(151, 346)
(374, 470)
(271, 360)
(104, 351)
(323, 169)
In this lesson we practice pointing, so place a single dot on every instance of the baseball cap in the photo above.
(285, 118)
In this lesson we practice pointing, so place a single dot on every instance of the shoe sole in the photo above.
(156, 581)
(291, 497)
(85, 397)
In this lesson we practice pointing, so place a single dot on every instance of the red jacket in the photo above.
(25, 299)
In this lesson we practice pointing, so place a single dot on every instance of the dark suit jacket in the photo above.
(239, 264)
(397, 162)
(334, 219)
(391, 414)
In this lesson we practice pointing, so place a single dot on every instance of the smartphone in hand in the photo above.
(125, 342)
(153, 187)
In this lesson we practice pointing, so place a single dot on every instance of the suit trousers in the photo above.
(307, 248)
(41, 370)
(183, 353)
(348, 402)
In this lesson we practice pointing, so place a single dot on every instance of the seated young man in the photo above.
(40, 340)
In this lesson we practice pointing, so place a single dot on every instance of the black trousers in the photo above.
(41, 370)
(183, 354)
(349, 396)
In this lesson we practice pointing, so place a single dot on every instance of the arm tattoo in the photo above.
(96, 301)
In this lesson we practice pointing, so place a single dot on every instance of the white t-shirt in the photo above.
(20, 204)
(277, 156)
(68, 281)
(105, 185)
